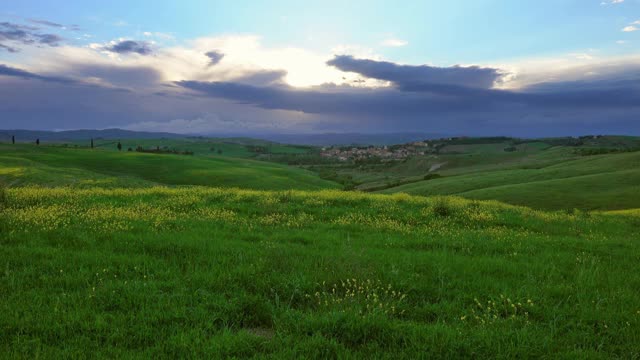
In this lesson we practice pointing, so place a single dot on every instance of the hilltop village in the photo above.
(385, 153)
(595, 144)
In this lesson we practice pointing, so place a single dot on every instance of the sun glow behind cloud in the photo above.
(244, 55)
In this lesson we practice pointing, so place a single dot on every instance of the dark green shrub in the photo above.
(432, 176)
(441, 207)
(3, 195)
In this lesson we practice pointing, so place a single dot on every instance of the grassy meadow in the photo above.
(601, 182)
(58, 166)
(229, 147)
(112, 254)
(203, 272)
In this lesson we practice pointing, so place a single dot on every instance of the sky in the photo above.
(482, 67)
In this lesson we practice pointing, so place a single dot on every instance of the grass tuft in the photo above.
(3, 195)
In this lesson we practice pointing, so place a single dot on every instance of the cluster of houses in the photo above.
(385, 153)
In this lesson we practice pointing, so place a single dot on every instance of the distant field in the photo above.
(457, 160)
(210, 273)
(57, 166)
(597, 182)
(587, 173)
(549, 174)
(231, 147)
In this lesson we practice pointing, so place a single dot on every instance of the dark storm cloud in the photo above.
(214, 57)
(49, 39)
(50, 105)
(54, 24)
(365, 102)
(414, 103)
(406, 76)
(15, 32)
(519, 114)
(120, 76)
(618, 88)
(131, 46)
(25, 35)
(439, 98)
(144, 75)
(30, 104)
(13, 72)
(8, 48)
(262, 78)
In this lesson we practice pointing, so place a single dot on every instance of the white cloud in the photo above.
(394, 42)
(243, 55)
(526, 72)
(159, 35)
(630, 28)
(582, 56)
(612, 2)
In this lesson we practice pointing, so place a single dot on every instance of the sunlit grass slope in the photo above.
(605, 182)
(54, 166)
(215, 273)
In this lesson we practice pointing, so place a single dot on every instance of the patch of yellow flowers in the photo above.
(501, 309)
(363, 297)
(172, 209)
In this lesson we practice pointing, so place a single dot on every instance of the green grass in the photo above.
(57, 166)
(218, 273)
(547, 174)
(117, 255)
(218, 147)
(606, 182)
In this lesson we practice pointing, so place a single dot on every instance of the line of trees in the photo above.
(139, 148)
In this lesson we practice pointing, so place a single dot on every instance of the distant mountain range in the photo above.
(294, 139)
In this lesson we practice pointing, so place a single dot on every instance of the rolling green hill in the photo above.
(200, 146)
(56, 166)
(609, 181)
